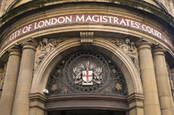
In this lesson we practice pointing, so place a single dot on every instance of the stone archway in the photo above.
(131, 74)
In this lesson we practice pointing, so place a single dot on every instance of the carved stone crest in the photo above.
(86, 73)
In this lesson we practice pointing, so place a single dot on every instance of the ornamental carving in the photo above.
(129, 48)
(45, 46)
(86, 72)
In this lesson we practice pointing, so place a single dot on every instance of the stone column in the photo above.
(164, 89)
(21, 103)
(151, 101)
(10, 82)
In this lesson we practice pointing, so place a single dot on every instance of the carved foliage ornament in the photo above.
(45, 46)
(86, 72)
(129, 48)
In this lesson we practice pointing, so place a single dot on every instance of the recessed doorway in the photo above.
(87, 112)
(86, 82)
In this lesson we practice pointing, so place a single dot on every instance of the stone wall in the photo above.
(7, 4)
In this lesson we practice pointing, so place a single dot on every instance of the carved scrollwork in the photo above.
(129, 48)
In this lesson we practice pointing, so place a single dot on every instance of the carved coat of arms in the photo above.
(87, 73)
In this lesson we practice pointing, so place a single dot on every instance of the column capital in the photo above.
(30, 44)
(158, 51)
(143, 45)
(14, 51)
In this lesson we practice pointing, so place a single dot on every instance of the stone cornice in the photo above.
(135, 4)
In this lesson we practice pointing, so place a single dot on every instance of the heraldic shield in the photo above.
(87, 77)
(86, 72)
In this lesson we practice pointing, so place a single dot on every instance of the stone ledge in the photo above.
(138, 5)
(37, 100)
(135, 100)
(135, 97)
(37, 97)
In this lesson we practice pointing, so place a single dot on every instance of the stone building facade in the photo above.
(86, 57)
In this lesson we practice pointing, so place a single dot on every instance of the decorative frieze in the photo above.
(87, 18)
